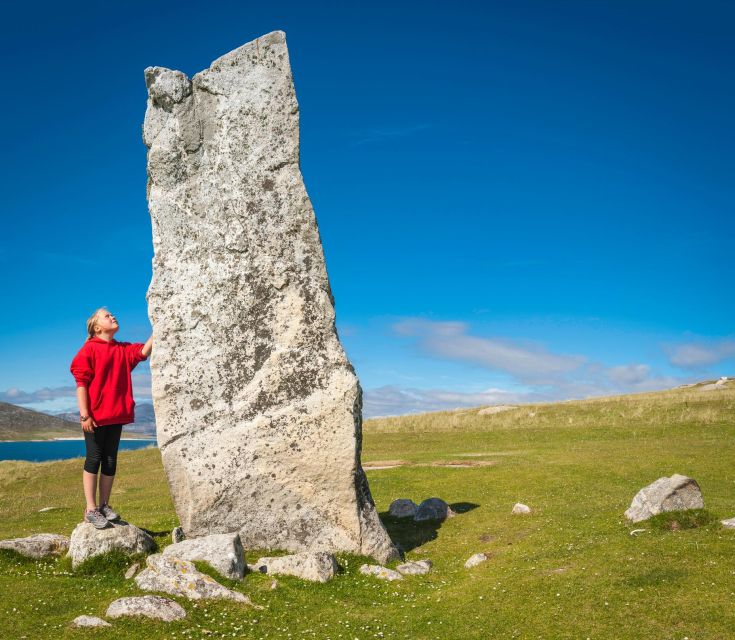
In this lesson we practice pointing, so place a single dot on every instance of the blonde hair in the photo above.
(92, 321)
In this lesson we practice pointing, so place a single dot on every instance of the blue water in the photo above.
(57, 449)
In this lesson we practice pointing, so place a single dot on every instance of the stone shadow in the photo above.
(407, 534)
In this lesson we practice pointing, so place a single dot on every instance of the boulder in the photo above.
(677, 493)
(86, 541)
(520, 509)
(154, 607)
(380, 572)
(181, 578)
(258, 409)
(89, 621)
(474, 560)
(39, 545)
(729, 523)
(417, 568)
(223, 551)
(319, 566)
(432, 509)
(402, 508)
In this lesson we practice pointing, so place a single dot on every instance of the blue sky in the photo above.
(517, 201)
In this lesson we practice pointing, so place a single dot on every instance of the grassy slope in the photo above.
(571, 570)
(19, 423)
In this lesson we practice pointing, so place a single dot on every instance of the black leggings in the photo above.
(102, 444)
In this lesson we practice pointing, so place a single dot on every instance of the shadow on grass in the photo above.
(408, 534)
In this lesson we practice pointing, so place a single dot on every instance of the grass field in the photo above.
(569, 570)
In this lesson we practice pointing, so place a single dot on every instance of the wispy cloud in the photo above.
(700, 353)
(527, 361)
(387, 133)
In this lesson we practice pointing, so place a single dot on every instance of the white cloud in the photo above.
(628, 374)
(700, 354)
(16, 396)
(527, 361)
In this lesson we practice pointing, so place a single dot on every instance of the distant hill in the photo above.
(144, 425)
(18, 423)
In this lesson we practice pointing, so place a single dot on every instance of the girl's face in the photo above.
(106, 322)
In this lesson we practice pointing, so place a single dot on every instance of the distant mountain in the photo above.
(18, 423)
(144, 425)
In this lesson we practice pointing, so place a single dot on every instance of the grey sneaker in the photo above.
(96, 518)
(106, 511)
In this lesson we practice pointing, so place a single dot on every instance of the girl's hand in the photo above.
(89, 425)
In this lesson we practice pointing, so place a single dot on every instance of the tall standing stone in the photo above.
(258, 409)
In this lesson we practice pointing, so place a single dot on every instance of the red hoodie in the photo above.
(104, 368)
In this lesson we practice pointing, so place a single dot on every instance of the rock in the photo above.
(39, 545)
(380, 572)
(258, 409)
(274, 585)
(132, 570)
(488, 411)
(318, 566)
(520, 509)
(89, 621)
(402, 508)
(86, 541)
(182, 578)
(154, 607)
(729, 524)
(418, 568)
(223, 551)
(474, 560)
(677, 493)
(432, 509)
(177, 535)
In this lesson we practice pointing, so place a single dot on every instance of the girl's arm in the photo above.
(83, 402)
(147, 347)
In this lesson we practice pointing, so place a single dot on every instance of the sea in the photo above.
(44, 450)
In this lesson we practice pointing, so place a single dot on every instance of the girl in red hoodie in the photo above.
(102, 370)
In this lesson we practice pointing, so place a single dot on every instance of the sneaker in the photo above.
(96, 518)
(107, 511)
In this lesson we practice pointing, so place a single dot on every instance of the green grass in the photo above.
(569, 570)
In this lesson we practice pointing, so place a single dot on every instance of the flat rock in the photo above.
(380, 572)
(474, 560)
(403, 508)
(729, 523)
(181, 578)
(223, 551)
(86, 541)
(677, 493)
(417, 568)
(520, 509)
(89, 621)
(432, 509)
(39, 545)
(258, 409)
(154, 607)
(318, 566)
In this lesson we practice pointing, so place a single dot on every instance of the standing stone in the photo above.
(677, 493)
(258, 409)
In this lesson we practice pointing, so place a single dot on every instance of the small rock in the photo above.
(432, 509)
(154, 607)
(402, 508)
(86, 541)
(729, 523)
(182, 578)
(40, 545)
(677, 493)
(177, 535)
(380, 572)
(418, 568)
(318, 566)
(274, 585)
(474, 560)
(520, 509)
(89, 621)
(223, 551)
(132, 570)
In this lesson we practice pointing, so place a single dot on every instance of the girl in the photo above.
(105, 397)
